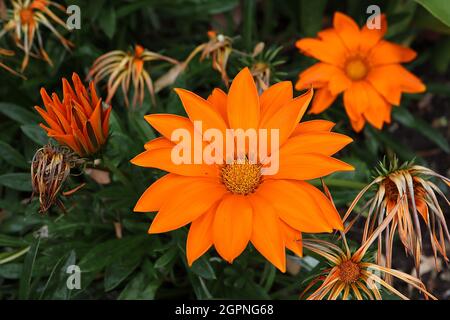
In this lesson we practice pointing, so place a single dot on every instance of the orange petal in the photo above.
(158, 143)
(274, 98)
(167, 123)
(162, 159)
(218, 101)
(292, 238)
(320, 50)
(294, 206)
(286, 118)
(313, 126)
(52, 123)
(266, 235)
(243, 102)
(329, 211)
(96, 123)
(376, 109)
(160, 191)
(198, 109)
(356, 100)
(316, 75)
(200, 236)
(309, 166)
(370, 37)
(387, 53)
(187, 206)
(385, 84)
(348, 31)
(70, 141)
(422, 207)
(322, 100)
(326, 143)
(232, 226)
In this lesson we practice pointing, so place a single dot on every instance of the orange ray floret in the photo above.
(229, 205)
(361, 65)
(79, 121)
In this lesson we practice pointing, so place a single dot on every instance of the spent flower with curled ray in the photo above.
(408, 188)
(24, 22)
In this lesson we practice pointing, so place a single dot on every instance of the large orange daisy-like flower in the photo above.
(359, 63)
(233, 203)
(79, 121)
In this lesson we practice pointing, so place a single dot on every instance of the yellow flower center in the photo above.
(241, 177)
(349, 271)
(356, 69)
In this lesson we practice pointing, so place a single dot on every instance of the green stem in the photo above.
(331, 182)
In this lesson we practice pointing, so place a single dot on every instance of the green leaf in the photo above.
(140, 289)
(107, 252)
(16, 181)
(10, 155)
(27, 271)
(438, 8)
(35, 133)
(166, 258)
(403, 116)
(203, 268)
(18, 113)
(108, 21)
(119, 270)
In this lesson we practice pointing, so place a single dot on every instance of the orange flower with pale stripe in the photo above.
(79, 121)
(229, 205)
(361, 65)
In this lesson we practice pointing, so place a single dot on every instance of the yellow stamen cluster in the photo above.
(356, 69)
(349, 271)
(241, 177)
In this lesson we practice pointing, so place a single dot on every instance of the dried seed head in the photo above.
(50, 168)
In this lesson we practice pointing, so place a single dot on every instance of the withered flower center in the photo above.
(349, 271)
(241, 177)
(26, 16)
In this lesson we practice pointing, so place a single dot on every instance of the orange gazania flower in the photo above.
(79, 121)
(25, 21)
(230, 204)
(359, 63)
(125, 68)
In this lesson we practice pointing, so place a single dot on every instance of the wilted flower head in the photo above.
(24, 22)
(361, 65)
(79, 121)
(407, 190)
(218, 48)
(124, 68)
(262, 64)
(50, 168)
(351, 275)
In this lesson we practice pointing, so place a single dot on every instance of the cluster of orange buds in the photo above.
(79, 121)
(24, 23)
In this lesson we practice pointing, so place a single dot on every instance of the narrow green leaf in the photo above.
(16, 181)
(19, 114)
(27, 271)
(35, 133)
(403, 116)
(438, 8)
(12, 156)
